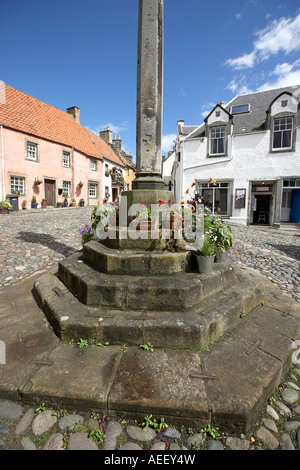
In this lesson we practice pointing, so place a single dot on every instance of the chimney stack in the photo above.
(117, 143)
(75, 112)
(106, 135)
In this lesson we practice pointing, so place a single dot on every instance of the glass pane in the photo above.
(277, 140)
(286, 139)
(221, 201)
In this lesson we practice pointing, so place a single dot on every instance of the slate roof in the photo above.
(24, 113)
(254, 120)
(259, 105)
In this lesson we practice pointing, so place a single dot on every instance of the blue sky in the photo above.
(83, 53)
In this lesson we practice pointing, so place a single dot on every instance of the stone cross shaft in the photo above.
(149, 95)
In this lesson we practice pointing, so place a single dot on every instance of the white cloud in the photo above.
(286, 75)
(167, 142)
(281, 35)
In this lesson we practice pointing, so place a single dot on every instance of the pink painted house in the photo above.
(42, 144)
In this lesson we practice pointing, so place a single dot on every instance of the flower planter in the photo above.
(221, 257)
(44, 204)
(65, 204)
(205, 263)
(81, 202)
(3, 210)
(34, 205)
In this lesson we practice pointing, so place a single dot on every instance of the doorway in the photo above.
(50, 192)
(261, 216)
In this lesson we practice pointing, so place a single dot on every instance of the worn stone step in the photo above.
(124, 292)
(186, 329)
(133, 262)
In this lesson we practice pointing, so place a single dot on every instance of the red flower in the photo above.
(161, 202)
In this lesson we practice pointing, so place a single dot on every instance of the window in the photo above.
(217, 140)
(93, 165)
(93, 187)
(66, 159)
(67, 188)
(282, 133)
(240, 109)
(216, 196)
(31, 151)
(17, 184)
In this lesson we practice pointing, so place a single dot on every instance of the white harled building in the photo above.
(251, 148)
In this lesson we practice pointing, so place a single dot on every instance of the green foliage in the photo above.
(147, 347)
(40, 409)
(5, 205)
(152, 423)
(98, 437)
(211, 432)
(222, 234)
(208, 248)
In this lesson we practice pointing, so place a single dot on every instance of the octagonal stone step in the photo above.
(173, 292)
(187, 329)
(134, 263)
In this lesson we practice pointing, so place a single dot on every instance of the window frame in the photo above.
(96, 185)
(66, 153)
(67, 187)
(214, 187)
(37, 153)
(276, 132)
(93, 164)
(211, 139)
(22, 192)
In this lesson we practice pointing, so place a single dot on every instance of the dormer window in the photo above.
(217, 140)
(282, 133)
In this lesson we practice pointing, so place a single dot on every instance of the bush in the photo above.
(5, 205)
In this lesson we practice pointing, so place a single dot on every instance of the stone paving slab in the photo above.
(160, 383)
(80, 376)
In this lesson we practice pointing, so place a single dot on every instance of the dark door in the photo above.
(49, 192)
(262, 213)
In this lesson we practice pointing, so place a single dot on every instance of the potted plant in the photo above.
(223, 239)
(5, 207)
(24, 203)
(144, 219)
(44, 203)
(34, 204)
(72, 202)
(37, 181)
(81, 202)
(86, 233)
(65, 203)
(80, 184)
(206, 256)
(59, 204)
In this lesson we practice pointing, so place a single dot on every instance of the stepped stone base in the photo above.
(222, 342)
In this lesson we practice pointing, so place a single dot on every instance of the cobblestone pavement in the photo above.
(275, 253)
(31, 240)
(34, 239)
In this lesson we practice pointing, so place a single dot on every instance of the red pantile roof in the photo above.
(26, 114)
